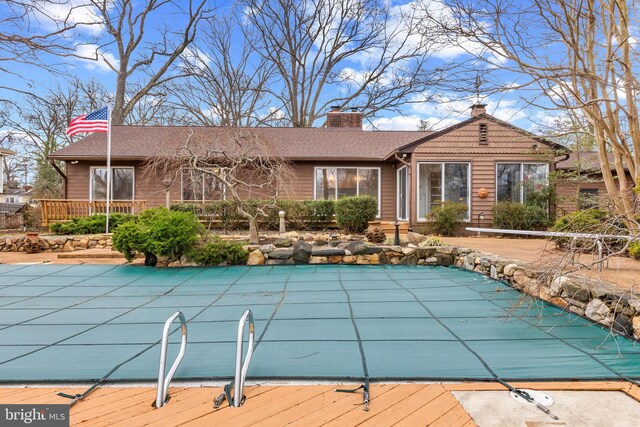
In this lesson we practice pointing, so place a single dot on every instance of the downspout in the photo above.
(64, 177)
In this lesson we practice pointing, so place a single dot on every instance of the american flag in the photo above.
(97, 121)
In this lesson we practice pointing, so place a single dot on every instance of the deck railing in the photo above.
(56, 210)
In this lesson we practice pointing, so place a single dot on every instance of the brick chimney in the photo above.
(338, 119)
(477, 109)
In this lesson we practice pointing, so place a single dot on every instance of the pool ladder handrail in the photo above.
(163, 382)
(242, 366)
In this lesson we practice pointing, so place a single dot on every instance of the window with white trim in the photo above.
(122, 181)
(335, 183)
(514, 181)
(201, 186)
(442, 182)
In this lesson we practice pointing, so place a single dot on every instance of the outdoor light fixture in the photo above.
(396, 239)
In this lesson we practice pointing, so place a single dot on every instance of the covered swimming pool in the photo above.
(63, 323)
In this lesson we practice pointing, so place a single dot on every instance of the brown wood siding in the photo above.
(149, 186)
(146, 186)
(568, 194)
(463, 146)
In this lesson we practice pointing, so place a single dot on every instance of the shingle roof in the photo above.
(142, 142)
(586, 161)
(11, 208)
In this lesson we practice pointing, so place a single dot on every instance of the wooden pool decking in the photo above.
(278, 405)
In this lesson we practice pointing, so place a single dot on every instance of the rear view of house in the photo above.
(477, 162)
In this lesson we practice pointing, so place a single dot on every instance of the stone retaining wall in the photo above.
(54, 243)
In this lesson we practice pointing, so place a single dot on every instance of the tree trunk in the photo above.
(253, 231)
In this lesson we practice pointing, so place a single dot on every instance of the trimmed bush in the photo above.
(354, 213)
(634, 250)
(300, 214)
(586, 221)
(216, 251)
(94, 224)
(447, 217)
(319, 214)
(158, 232)
(516, 216)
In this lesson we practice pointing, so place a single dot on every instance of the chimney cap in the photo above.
(478, 108)
(336, 108)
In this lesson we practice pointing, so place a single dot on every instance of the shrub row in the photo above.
(518, 216)
(351, 213)
(93, 224)
(305, 214)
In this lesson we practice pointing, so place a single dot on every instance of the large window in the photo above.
(440, 182)
(201, 186)
(515, 181)
(335, 183)
(122, 179)
(403, 193)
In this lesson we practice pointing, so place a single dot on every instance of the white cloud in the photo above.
(74, 12)
(195, 57)
(410, 123)
(96, 60)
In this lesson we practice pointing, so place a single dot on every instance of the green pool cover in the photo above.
(76, 323)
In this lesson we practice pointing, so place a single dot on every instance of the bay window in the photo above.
(333, 183)
(441, 182)
(515, 181)
(122, 179)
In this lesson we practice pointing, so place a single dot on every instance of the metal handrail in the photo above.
(574, 236)
(550, 233)
(163, 382)
(243, 366)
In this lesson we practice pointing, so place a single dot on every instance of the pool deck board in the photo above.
(309, 405)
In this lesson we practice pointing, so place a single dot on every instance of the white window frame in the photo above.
(315, 174)
(401, 169)
(92, 168)
(224, 188)
(522, 165)
(468, 163)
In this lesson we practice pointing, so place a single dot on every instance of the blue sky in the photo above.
(450, 108)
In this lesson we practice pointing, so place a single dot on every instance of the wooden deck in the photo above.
(391, 404)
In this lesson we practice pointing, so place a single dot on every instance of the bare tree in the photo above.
(245, 164)
(14, 165)
(580, 55)
(226, 83)
(138, 52)
(367, 54)
(34, 32)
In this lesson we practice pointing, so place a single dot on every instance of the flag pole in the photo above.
(108, 166)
